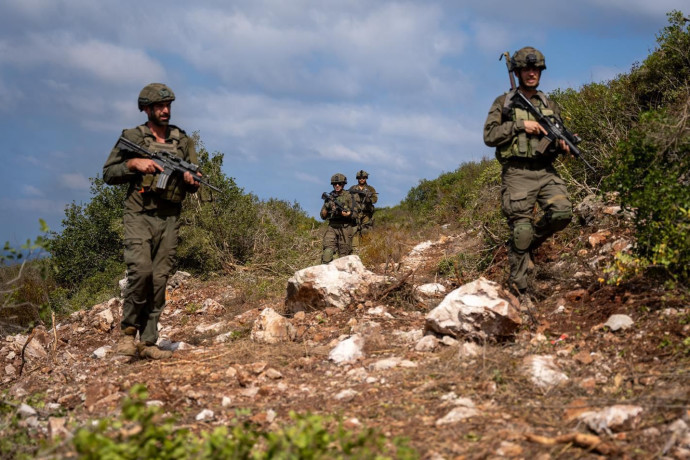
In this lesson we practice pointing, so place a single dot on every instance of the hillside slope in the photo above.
(451, 402)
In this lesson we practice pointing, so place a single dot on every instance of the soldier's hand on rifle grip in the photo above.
(143, 165)
(189, 179)
(563, 146)
(533, 127)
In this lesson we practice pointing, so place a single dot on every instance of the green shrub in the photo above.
(25, 283)
(99, 287)
(602, 114)
(92, 235)
(143, 432)
(662, 80)
(651, 174)
(651, 166)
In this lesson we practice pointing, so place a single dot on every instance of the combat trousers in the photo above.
(337, 239)
(150, 249)
(524, 186)
(359, 233)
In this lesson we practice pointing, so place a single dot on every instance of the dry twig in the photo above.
(588, 441)
(26, 344)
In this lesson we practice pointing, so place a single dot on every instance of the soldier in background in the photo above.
(528, 176)
(337, 209)
(151, 219)
(365, 196)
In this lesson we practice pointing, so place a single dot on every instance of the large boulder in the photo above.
(481, 309)
(336, 284)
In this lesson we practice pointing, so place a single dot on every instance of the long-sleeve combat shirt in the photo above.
(115, 170)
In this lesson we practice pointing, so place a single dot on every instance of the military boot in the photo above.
(153, 352)
(530, 262)
(527, 306)
(126, 346)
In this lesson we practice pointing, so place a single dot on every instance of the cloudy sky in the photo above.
(290, 91)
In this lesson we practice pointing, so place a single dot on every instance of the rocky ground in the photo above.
(599, 370)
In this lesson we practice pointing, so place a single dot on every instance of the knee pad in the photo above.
(327, 256)
(522, 235)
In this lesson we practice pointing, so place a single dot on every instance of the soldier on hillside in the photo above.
(151, 219)
(337, 209)
(365, 196)
(528, 176)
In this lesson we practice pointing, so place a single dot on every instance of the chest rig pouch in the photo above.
(170, 188)
(524, 145)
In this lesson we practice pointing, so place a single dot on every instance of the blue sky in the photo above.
(290, 91)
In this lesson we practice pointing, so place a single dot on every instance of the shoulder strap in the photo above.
(508, 105)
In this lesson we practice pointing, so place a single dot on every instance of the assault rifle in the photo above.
(554, 128)
(170, 163)
(366, 193)
(330, 201)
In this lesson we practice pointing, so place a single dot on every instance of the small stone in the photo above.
(273, 374)
(346, 395)
(26, 411)
(101, 352)
(427, 343)
(206, 414)
(449, 341)
(619, 322)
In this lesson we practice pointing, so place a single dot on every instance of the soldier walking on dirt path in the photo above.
(528, 176)
(337, 209)
(365, 197)
(151, 218)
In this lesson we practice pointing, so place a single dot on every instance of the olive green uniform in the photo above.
(365, 197)
(338, 236)
(151, 223)
(528, 178)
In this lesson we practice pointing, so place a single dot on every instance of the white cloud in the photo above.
(304, 177)
(106, 62)
(657, 8)
(30, 190)
(74, 181)
(37, 206)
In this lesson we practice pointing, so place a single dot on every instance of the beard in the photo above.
(526, 86)
(158, 120)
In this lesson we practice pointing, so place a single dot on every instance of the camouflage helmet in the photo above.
(362, 174)
(338, 178)
(153, 93)
(528, 57)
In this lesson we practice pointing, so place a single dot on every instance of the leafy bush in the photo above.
(442, 199)
(652, 176)
(238, 229)
(92, 235)
(651, 167)
(143, 432)
(662, 80)
(603, 114)
(25, 283)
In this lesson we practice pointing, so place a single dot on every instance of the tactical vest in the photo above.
(524, 145)
(174, 189)
(346, 200)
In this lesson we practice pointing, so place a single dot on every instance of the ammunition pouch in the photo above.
(523, 145)
(174, 189)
